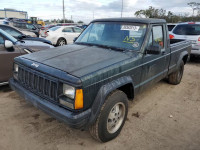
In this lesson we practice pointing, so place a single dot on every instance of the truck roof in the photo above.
(131, 19)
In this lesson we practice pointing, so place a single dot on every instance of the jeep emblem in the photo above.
(35, 65)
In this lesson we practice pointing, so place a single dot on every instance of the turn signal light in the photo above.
(79, 99)
(199, 39)
(171, 36)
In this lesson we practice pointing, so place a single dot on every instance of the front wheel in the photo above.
(175, 77)
(111, 118)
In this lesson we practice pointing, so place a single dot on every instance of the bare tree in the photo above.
(194, 6)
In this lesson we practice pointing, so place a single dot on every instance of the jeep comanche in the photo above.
(88, 84)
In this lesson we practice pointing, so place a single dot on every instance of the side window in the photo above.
(11, 31)
(1, 40)
(30, 26)
(77, 30)
(158, 37)
(67, 30)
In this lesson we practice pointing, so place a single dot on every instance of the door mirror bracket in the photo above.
(153, 49)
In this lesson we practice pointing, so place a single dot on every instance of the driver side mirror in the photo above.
(153, 49)
(8, 44)
(75, 39)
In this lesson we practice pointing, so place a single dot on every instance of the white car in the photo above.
(62, 35)
(188, 31)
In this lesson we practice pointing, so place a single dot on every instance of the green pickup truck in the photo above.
(88, 84)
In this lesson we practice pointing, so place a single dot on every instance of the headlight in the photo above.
(15, 73)
(69, 91)
(16, 68)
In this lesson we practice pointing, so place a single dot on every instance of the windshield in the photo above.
(54, 28)
(8, 36)
(187, 29)
(114, 34)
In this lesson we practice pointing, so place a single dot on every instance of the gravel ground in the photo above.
(164, 117)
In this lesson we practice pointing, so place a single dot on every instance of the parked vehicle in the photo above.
(23, 26)
(43, 30)
(171, 26)
(67, 24)
(188, 31)
(10, 48)
(88, 84)
(36, 21)
(21, 36)
(62, 35)
(1, 20)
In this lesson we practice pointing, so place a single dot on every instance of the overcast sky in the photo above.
(84, 9)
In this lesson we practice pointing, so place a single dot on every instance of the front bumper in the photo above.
(76, 120)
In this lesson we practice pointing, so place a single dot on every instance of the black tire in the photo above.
(61, 42)
(101, 130)
(175, 77)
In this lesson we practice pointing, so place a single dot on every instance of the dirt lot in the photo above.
(168, 119)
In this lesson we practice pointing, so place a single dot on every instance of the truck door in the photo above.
(155, 66)
(6, 60)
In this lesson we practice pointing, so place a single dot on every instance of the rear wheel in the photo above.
(175, 77)
(61, 42)
(111, 118)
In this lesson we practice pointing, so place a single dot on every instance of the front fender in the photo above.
(104, 91)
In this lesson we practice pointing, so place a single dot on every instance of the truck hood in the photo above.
(78, 60)
(33, 45)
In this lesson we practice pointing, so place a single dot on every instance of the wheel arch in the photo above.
(124, 84)
(183, 57)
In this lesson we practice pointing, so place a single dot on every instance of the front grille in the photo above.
(40, 84)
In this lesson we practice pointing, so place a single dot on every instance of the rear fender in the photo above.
(182, 55)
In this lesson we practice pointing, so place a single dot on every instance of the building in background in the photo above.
(12, 13)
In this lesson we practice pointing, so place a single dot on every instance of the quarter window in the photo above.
(157, 36)
(67, 30)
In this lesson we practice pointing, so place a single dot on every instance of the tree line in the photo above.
(169, 16)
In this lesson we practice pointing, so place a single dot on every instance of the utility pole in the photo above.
(122, 7)
(63, 11)
(93, 15)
